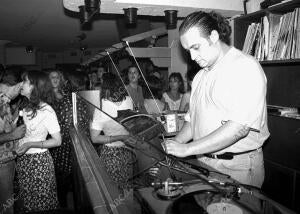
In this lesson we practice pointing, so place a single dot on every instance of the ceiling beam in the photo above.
(156, 32)
(157, 7)
(135, 38)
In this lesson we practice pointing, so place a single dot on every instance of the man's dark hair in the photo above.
(207, 22)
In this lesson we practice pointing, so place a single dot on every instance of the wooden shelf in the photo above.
(287, 117)
(285, 61)
(280, 8)
(283, 89)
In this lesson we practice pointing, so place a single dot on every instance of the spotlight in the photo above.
(130, 15)
(29, 49)
(83, 47)
(171, 19)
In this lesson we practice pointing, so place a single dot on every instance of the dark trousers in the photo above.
(7, 199)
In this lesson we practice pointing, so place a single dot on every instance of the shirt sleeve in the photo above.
(248, 92)
(51, 121)
(129, 103)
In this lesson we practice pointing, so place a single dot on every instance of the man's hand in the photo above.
(177, 149)
(19, 132)
(23, 148)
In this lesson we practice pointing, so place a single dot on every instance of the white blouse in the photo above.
(173, 105)
(103, 122)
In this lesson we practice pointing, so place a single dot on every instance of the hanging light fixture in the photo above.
(88, 10)
(84, 15)
(130, 15)
(92, 5)
(171, 19)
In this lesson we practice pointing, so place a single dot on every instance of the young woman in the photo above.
(35, 169)
(116, 157)
(62, 105)
(134, 89)
(174, 94)
(57, 82)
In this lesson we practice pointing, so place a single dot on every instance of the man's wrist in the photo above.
(30, 144)
(189, 149)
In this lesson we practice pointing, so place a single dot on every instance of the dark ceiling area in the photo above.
(48, 26)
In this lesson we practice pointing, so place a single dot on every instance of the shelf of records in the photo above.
(274, 37)
(289, 112)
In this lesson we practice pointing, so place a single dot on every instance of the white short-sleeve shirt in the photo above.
(103, 122)
(235, 89)
(45, 122)
(173, 105)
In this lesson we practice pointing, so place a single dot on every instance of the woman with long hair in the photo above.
(35, 169)
(62, 88)
(174, 94)
(134, 89)
(114, 154)
(57, 81)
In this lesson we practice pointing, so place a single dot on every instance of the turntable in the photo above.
(212, 195)
(214, 202)
(205, 201)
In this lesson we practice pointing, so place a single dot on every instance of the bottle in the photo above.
(20, 120)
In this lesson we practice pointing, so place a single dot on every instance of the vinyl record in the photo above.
(204, 201)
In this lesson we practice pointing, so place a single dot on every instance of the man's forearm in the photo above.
(5, 137)
(185, 134)
(221, 138)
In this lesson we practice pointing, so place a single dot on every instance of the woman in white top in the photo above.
(174, 94)
(116, 157)
(35, 169)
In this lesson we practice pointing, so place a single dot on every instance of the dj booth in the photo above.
(162, 184)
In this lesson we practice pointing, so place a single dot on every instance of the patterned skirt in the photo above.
(119, 163)
(36, 182)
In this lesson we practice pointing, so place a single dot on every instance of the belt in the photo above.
(228, 155)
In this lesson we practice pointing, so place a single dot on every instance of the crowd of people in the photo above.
(36, 115)
(35, 145)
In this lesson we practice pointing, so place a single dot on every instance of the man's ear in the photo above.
(214, 36)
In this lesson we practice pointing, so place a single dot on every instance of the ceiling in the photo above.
(53, 25)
